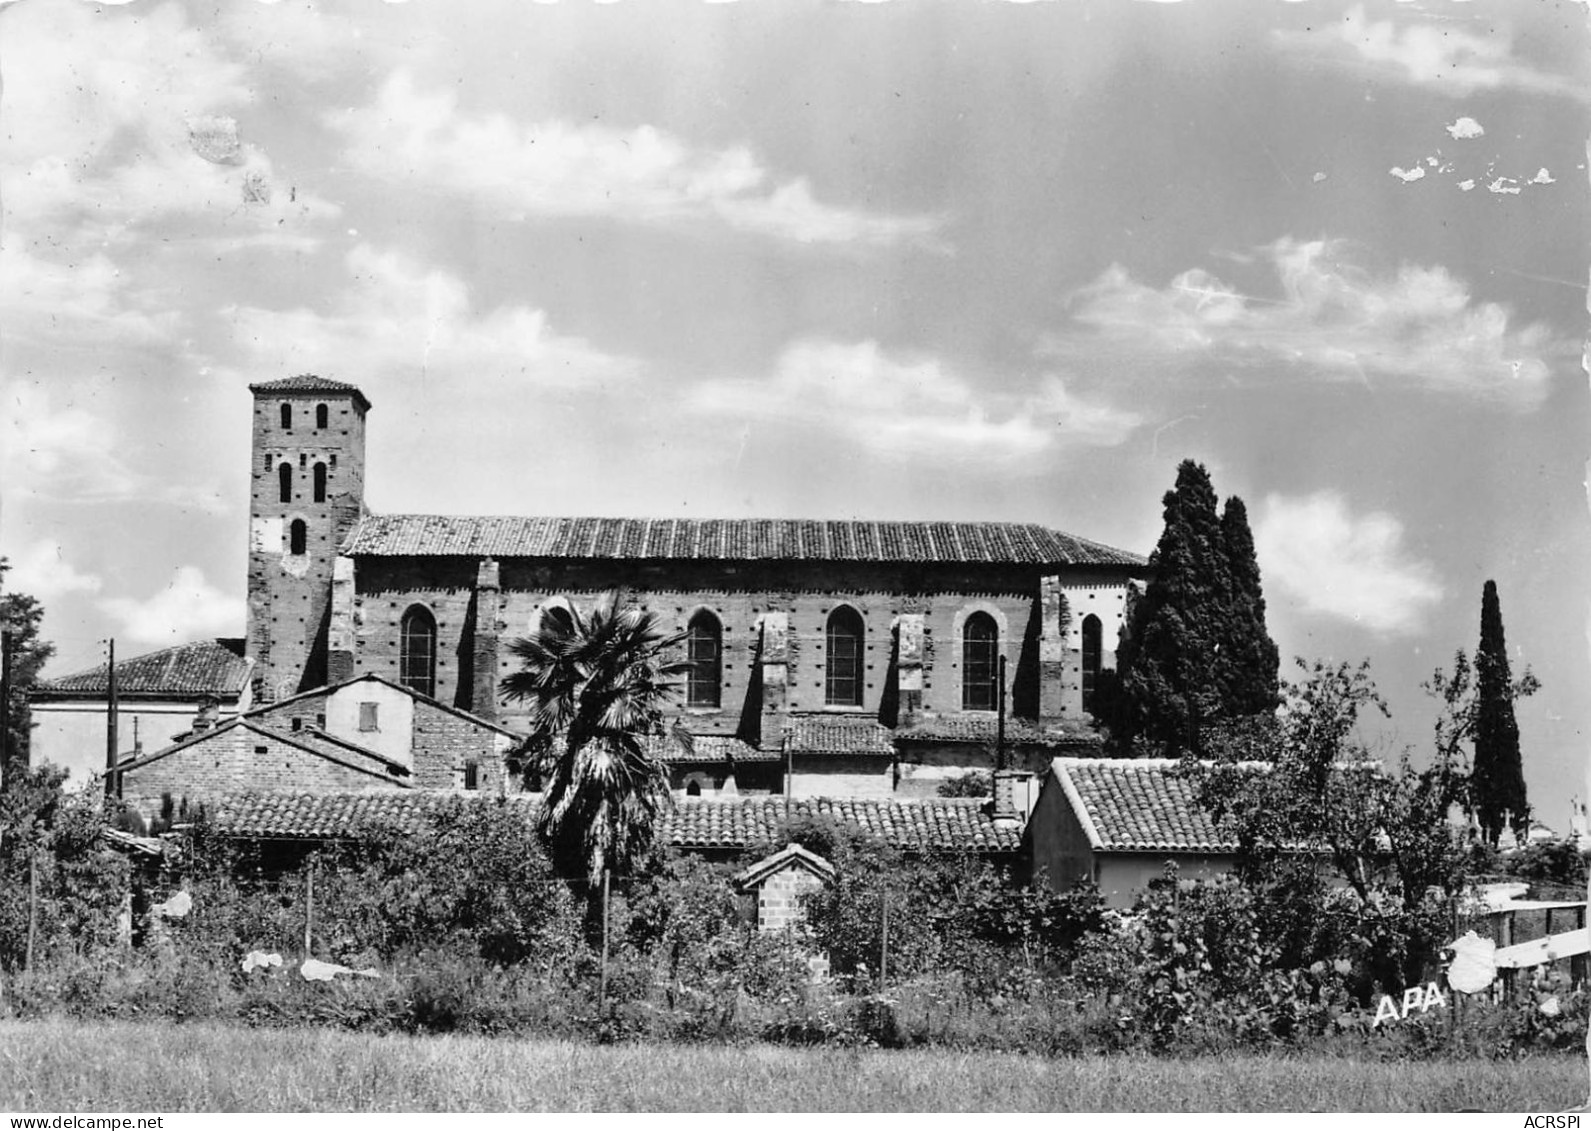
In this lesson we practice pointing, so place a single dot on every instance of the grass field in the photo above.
(62, 1066)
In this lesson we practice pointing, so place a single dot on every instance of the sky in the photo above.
(929, 260)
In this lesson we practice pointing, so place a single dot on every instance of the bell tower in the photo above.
(307, 490)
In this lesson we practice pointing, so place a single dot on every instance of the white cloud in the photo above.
(1325, 560)
(399, 318)
(1465, 128)
(913, 405)
(41, 570)
(1447, 58)
(1504, 185)
(73, 302)
(99, 115)
(1542, 177)
(1413, 174)
(1467, 184)
(188, 608)
(560, 169)
(1331, 319)
(62, 452)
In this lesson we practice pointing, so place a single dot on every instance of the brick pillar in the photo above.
(774, 658)
(1052, 652)
(1012, 796)
(340, 640)
(909, 665)
(488, 610)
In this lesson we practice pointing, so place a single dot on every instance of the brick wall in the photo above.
(238, 760)
(444, 742)
(779, 897)
(738, 594)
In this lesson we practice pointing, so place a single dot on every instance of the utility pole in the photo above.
(6, 768)
(112, 780)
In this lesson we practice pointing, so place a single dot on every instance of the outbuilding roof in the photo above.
(745, 539)
(951, 824)
(188, 671)
(1138, 805)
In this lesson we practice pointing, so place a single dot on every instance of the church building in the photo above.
(827, 658)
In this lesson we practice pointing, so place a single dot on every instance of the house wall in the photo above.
(238, 760)
(842, 775)
(1121, 876)
(393, 735)
(71, 734)
(1058, 851)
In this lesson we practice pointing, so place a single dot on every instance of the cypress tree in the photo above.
(1248, 654)
(1498, 780)
(1169, 662)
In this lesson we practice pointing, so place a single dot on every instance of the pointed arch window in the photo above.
(320, 483)
(842, 673)
(1091, 659)
(980, 663)
(287, 417)
(704, 651)
(297, 537)
(284, 478)
(417, 655)
(322, 416)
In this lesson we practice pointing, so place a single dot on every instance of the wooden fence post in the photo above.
(33, 906)
(602, 982)
(883, 942)
(309, 903)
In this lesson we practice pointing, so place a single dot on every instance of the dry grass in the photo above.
(59, 1066)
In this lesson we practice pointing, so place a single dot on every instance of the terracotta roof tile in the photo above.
(829, 734)
(725, 539)
(707, 748)
(985, 728)
(1141, 805)
(953, 824)
(210, 667)
(310, 383)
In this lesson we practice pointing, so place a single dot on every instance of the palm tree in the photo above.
(597, 684)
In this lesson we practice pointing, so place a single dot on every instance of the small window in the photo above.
(693, 788)
(320, 483)
(704, 652)
(842, 674)
(322, 416)
(284, 475)
(303, 459)
(267, 461)
(1091, 659)
(298, 537)
(417, 651)
(980, 663)
(472, 775)
(262, 750)
(287, 417)
(320, 721)
(334, 461)
(367, 716)
(298, 723)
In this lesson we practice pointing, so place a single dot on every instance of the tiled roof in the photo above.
(210, 667)
(707, 748)
(308, 383)
(960, 824)
(985, 728)
(935, 823)
(829, 734)
(725, 539)
(1138, 805)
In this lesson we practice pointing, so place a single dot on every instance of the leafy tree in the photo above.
(1498, 777)
(23, 615)
(973, 783)
(1196, 652)
(1322, 797)
(597, 684)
